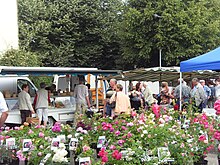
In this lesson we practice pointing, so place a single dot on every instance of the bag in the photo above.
(112, 105)
(89, 113)
(32, 120)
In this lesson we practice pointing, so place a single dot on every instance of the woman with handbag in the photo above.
(122, 102)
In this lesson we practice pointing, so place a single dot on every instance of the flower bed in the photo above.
(158, 136)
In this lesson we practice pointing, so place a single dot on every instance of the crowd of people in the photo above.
(201, 93)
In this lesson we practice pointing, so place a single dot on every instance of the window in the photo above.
(32, 90)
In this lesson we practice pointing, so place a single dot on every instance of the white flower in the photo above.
(60, 154)
(62, 145)
(151, 116)
(161, 121)
(142, 135)
(77, 134)
(69, 136)
(81, 138)
(206, 141)
(145, 132)
(85, 131)
(80, 129)
(161, 125)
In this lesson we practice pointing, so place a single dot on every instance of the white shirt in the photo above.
(42, 99)
(24, 101)
(3, 105)
(80, 93)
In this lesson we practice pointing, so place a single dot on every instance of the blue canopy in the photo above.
(207, 61)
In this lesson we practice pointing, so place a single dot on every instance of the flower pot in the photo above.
(218, 160)
(201, 161)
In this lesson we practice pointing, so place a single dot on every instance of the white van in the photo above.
(11, 85)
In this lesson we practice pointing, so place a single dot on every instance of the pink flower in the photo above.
(17, 128)
(112, 129)
(123, 128)
(129, 134)
(133, 114)
(41, 147)
(112, 147)
(183, 154)
(30, 132)
(39, 154)
(20, 155)
(80, 129)
(1, 137)
(219, 147)
(105, 158)
(37, 126)
(204, 117)
(209, 148)
(195, 120)
(217, 135)
(102, 152)
(182, 145)
(116, 154)
(117, 133)
(130, 124)
(41, 134)
(120, 142)
(85, 148)
(156, 110)
(202, 138)
(217, 107)
(56, 127)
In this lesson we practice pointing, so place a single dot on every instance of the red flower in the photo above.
(202, 138)
(105, 159)
(102, 152)
(116, 154)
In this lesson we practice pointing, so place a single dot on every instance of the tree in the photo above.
(182, 29)
(20, 57)
(70, 32)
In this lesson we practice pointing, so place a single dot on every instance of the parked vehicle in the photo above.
(63, 103)
(62, 108)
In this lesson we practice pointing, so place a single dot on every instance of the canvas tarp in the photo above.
(161, 74)
(207, 61)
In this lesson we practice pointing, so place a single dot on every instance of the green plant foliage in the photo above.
(71, 32)
(37, 80)
(20, 57)
(182, 29)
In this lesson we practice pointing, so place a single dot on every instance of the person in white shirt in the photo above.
(3, 110)
(24, 102)
(41, 103)
(82, 97)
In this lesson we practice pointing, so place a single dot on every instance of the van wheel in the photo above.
(50, 121)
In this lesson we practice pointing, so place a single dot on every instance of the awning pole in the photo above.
(181, 81)
(96, 92)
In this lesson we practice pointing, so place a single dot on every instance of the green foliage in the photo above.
(70, 33)
(37, 80)
(185, 29)
(20, 57)
(110, 34)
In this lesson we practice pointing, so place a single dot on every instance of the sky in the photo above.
(8, 25)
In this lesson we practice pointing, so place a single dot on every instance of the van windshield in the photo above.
(20, 82)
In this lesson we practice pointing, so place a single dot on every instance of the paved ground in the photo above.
(212, 159)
